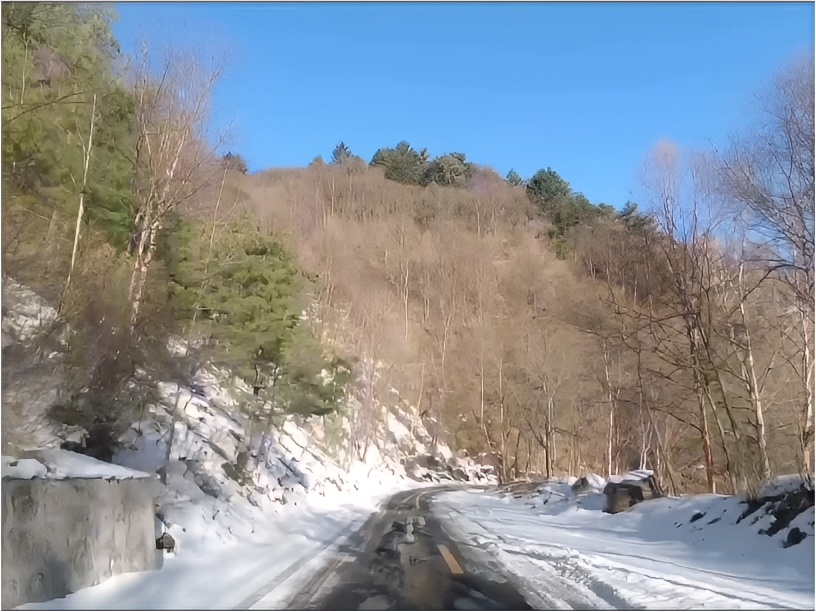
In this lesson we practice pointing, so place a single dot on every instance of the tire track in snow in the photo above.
(313, 556)
(554, 589)
(678, 587)
(576, 569)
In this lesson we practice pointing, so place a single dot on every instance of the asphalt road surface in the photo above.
(402, 559)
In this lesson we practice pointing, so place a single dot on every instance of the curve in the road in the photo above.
(402, 559)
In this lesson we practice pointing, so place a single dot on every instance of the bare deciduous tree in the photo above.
(769, 175)
(171, 150)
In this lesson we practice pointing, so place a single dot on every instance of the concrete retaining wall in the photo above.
(59, 536)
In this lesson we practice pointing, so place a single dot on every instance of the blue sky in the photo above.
(586, 88)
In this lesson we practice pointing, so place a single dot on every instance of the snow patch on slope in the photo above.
(783, 484)
(57, 464)
(225, 477)
(28, 315)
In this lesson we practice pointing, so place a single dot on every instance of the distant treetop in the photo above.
(234, 161)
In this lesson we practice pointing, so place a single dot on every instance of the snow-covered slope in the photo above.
(246, 509)
(242, 498)
(217, 461)
(670, 553)
(25, 314)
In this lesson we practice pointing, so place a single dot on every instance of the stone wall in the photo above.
(59, 536)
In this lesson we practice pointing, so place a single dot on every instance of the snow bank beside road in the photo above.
(668, 553)
(232, 576)
(58, 464)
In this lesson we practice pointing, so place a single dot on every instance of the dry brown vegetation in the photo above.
(657, 347)
(681, 342)
(684, 344)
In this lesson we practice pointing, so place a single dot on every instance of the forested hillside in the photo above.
(523, 320)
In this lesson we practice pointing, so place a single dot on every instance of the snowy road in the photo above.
(481, 549)
(400, 559)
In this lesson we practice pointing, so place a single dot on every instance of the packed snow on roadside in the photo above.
(58, 464)
(229, 564)
(668, 553)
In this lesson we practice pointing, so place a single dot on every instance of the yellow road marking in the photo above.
(453, 564)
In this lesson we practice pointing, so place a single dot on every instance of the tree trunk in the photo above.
(419, 401)
(701, 389)
(141, 267)
(550, 432)
(731, 469)
(611, 403)
(505, 432)
(807, 375)
(81, 210)
(750, 378)
(706, 439)
(405, 300)
(209, 251)
(529, 457)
